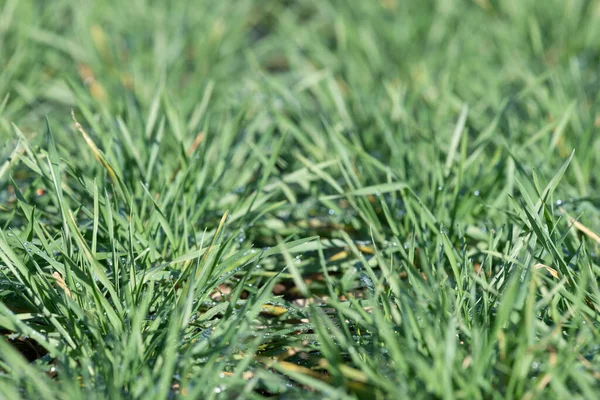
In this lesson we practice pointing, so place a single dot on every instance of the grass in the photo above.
(325, 199)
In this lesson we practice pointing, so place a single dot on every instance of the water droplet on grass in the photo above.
(241, 237)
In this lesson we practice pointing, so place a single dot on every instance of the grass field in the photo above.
(334, 199)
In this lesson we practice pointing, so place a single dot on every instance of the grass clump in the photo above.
(329, 199)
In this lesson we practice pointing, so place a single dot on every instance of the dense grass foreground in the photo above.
(302, 199)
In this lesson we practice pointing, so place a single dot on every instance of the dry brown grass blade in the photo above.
(199, 139)
(273, 310)
(357, 381)
(61, 282)
(344, 254)
(338, 256)
(95, 150)
(348, 372)
(551, 270)
(288, 366)
(580, 227)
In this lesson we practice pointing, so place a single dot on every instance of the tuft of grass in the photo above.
(331, 199)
